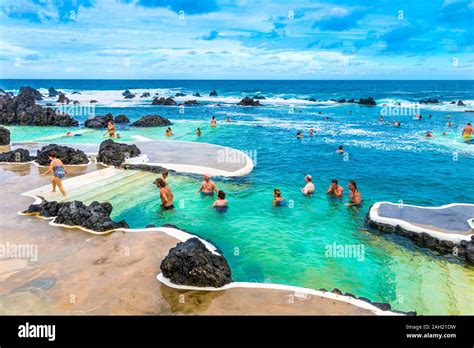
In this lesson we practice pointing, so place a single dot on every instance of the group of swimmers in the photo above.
(334, 190)
(207, 188)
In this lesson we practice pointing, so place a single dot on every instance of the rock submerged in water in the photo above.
(247, 101)
(163, 101)
(261, 97)
(99, 121)
(67, 155)
(190, 102)
(95, 217)
(429, 101)
(369, 101)
(191, 263)
(4, 136)
(213, 93)
(22, 110)
(18, 156)
(461, 103)
(121, 119)
(179, 94)
(152, 121)
(112, 153)
(145, 95)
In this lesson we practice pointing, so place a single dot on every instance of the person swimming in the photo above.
(340, 149)
(168, 132)
(207, 186)
(334, 189)
(396, 123)
(311, 132)
(381, 119)
(213, 121)
(221, 203)
(354, 194)
(111, 130)
(166, 195)
(228, 120)
(429, 135)
(118, 136)
(309, 187)
(467, 131)
(198, 132)
(444, 134)
(450, 124)
(58, 169)
(278, 200)
(299, 135)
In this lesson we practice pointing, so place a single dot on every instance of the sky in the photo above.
(237, 39)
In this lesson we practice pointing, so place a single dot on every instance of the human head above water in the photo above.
(334, 181)
(352, 184)
(160, 182)
(221, 194)
(277, 192)
(308, 178)
(206, 177)
(164, 173)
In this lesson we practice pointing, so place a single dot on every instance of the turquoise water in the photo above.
(288, 245)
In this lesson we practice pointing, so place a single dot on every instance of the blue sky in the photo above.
(242, 39)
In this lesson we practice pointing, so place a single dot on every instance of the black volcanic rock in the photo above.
(4, 136)
(112, 153)
(145, 95)
(190, 102)
(99, 121)
(52, 92)
(429, 101)
(163, 101)
(22, 110)
(261, 97)
(127, 92)
(191, 263)
(129, 96)
(75, 92)
(247, 101)
(93, 101)
(460, 103)
(197, 94)
(18, 156)
(179, 94)
(95, 217)
(213, 94)
(351, 100)
(312, 99)
(369, 101)
(63, 99)
(152, 121)
(66, 154)
(30, 92)
(341, 100)
(121, 119)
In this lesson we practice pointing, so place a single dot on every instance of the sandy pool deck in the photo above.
(80, 273)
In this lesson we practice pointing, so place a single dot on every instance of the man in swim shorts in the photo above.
(467, 131)
(354, 194)
(166, 195)
(309, 187)
(335, 190)
(207, 186)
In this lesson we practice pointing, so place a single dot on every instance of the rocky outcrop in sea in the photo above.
(22, 110)
(95, 217)
(163, 101)
(121, 119)
(66, 154)
(191, 263)
(247, 101)
(99, 121)
(112, 153)
(152, 121)
(213, 93)
(4, 136)
(52, 92)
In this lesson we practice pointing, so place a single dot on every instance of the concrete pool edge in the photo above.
(459, 245)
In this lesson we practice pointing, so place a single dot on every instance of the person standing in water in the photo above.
(309, 187)
(334, 189)
(213, 121)
(467, 131)
(169, 132)
(166, 195)
(58, 169)
(311, 132)
(228, 120)
(221, 203)
(429, 135)
(198, 132)
(278, 200)
(354, 194)
(299, 135)
(207, 186)
(340, 149)
(111, 130)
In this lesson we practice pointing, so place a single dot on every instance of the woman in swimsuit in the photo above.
(278, 200)
(169, 132)
(221, 203)
(354, 194)
(111, 129)
(56, 166)
(166, 195)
